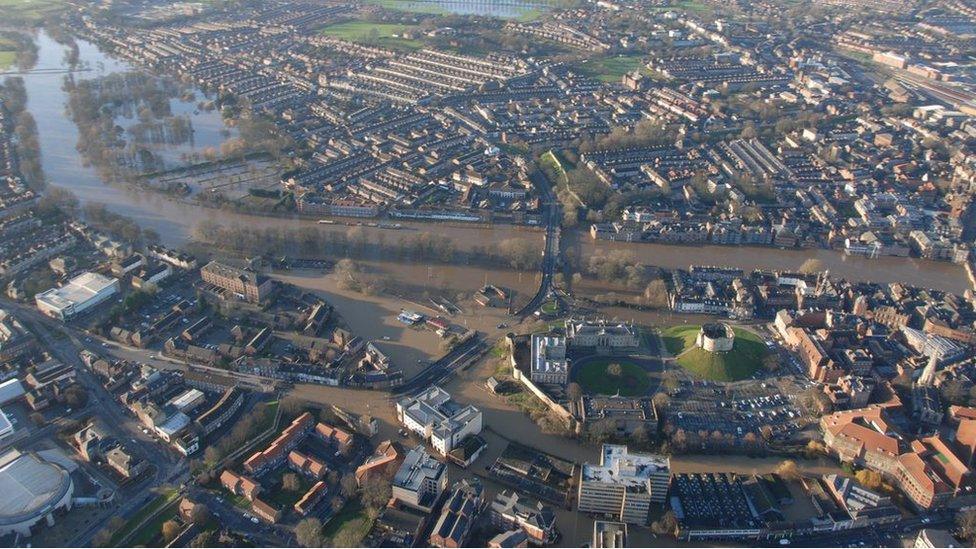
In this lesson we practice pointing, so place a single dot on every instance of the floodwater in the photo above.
(175, 221)
(939, 275)
(505, 9)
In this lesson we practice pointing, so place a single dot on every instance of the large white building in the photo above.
(549, 364)
(33, 489)
(438, 419)
(601, 335)
(624, 485)
(420, 481)
(80, 294)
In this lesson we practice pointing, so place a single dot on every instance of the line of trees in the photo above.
(356, 242)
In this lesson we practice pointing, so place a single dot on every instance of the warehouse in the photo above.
(77, 296)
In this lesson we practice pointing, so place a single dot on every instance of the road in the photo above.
(550, 254)
(232, 519)
(444, 366)
(66, 348)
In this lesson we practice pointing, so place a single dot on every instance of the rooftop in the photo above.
(31, 486)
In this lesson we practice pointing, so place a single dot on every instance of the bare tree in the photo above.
(308, 532)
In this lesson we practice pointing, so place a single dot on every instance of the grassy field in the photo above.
(28, 11)
(612, 69)
(380, 34)
(162, 500)
(741, 362)
(8, 51)
(7, 58)
(152, 530)
(350, 524)
(285, 499)
(594, 378)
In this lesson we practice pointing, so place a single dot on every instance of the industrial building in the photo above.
(80, 294)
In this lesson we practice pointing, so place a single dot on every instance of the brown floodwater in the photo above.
(938, 275)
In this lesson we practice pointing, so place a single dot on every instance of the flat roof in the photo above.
(78, 290)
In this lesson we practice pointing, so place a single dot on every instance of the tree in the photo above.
(202, 540)
(76, 396)
(337, 503)
(661, 401)
(308, 532)
(771, 362)
(211, 455)
(37, 418)
(290, 483)
(656, 293)
(815, 448)
(869, 479)
(574, 392)
(788, 469)
(376, 492)
(641, 435)
(199, 515)
(670, 381)
(347, 537)
(614, 370)
(966, 521)
(601, 430)
(348, 485)
(812, 266)
(170, 530)
(667, 525)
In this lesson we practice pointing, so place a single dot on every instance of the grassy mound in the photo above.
(594, 377)
(741, 362)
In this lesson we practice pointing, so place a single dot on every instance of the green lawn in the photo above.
(380, 34)
(165, 498)
(742, 361)
(28, 11)
(279, 496)
(7, 59)
(612, 69)
(145, 536)
(694, 6)
(593, 377)
(351, 522)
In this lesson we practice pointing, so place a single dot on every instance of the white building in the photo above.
(33, 489)
(601, 335)
(80, 294)
(438, 419)
(624, 485)
(420, 480)
(6, 427)
(549, 364)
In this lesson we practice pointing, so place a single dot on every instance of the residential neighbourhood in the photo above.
(385, 273)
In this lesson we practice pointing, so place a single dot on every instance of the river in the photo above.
(175, 221)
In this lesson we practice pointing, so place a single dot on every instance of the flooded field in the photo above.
(373, 317)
